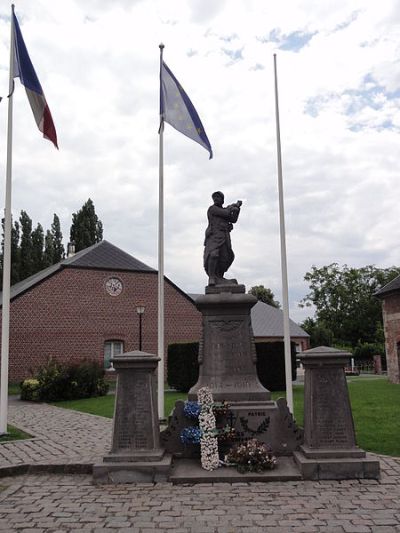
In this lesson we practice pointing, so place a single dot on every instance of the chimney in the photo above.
(71, 249)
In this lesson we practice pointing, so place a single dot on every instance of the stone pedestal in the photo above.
(227, 366)
(329, 450)
(135, 454)
(227, 355)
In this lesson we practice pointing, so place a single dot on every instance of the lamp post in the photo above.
(140, 311)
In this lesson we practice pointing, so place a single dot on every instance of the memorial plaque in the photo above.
(227, 360)
(328, 420)
(332, 418)
(136, 433)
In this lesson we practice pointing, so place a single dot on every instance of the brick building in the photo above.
(85, 307)
(390, 296)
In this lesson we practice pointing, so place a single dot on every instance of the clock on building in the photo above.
(114, 286)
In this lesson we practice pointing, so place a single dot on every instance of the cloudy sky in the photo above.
(339, 90)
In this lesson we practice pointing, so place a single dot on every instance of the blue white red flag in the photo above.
(23, 69)
(177, 109)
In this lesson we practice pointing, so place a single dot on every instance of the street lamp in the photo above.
(140, 311)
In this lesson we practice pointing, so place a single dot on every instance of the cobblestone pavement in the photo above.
(61, 436)
(58, 503)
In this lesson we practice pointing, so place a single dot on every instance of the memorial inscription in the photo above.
(135, 432)
(331, 414)
(136, 455)
(329, 450)
(134, 425)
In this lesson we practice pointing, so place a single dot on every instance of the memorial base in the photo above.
(337, 468)
(133, 472)
(269, 422)
(329, 453)
(186, 471)
(135, 456)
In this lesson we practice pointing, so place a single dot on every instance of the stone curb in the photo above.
(45, 468)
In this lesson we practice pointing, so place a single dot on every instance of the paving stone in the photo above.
(56, 502)
(357, 529)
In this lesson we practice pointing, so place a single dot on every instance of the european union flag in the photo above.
(177, 109)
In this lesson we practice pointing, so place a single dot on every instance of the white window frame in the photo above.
(111, 349)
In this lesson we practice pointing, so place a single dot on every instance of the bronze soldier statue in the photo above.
(218, 253)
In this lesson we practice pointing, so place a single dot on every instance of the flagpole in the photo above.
(5, 319)
(286, 325)
(161, 260)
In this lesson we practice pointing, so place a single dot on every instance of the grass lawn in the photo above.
(375, 404)
(376, 412)
(298, 401)
(14, 434)
(14, 389)
(104, 405)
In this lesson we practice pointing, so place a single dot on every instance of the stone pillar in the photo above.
(227, 355)
(135, 454)
(329, 450)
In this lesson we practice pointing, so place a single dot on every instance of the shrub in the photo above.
(271, 364)
(53, 382)
(367, 350)
(364, 353)
(59, 381)
(30, 390)
(183, 366)
(89, 377)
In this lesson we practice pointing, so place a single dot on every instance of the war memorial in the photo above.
(238, 410)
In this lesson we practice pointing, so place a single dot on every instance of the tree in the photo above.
(48, 254)
(263, 294)
(37, 248)
(86, 228)
(15, 254)
(57, 236)
(26, 247)
(320, 334)
(31, 251)
(344, 300)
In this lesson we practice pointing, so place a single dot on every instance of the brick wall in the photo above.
(70, 315)
(391, 322)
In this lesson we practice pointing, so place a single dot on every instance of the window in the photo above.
(112, 348)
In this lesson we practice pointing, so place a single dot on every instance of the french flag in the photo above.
(23, 69)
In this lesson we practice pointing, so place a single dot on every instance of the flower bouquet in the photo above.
(251, 456)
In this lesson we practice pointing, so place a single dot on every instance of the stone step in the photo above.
(189, 471)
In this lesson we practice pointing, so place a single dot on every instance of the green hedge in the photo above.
(271, 364)
(56, 381)
(183, 367)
